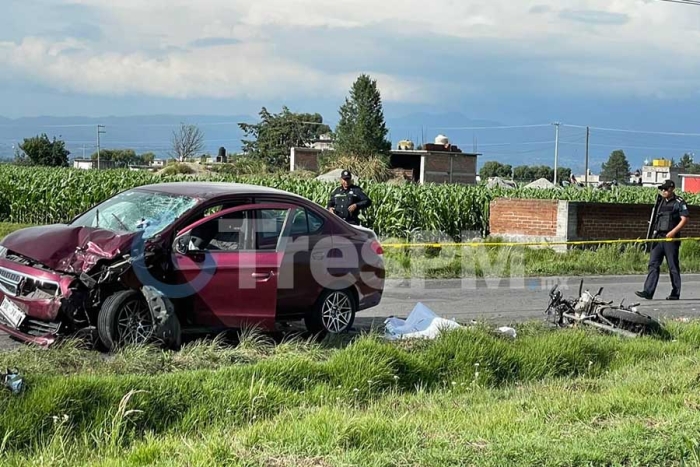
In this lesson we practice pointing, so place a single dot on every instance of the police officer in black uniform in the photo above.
(672, 215)
(348, 199)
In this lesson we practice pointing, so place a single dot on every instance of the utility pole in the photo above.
(99, 130)
(556, 150)
(588, 134)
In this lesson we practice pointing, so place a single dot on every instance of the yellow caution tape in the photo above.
(542, 243)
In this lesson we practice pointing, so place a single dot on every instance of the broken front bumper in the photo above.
(42, 341)
(30, 300)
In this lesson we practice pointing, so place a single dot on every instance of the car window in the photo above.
(229, 232)
(300, 225)
(269, 227)
(237, 232)
(306, 222)
(315, 222)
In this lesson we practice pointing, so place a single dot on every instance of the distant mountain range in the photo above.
(509, 144)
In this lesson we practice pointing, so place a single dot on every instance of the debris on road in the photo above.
(421, 323)
(13, 381)
(508, 331)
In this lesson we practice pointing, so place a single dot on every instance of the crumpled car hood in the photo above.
(70, 249)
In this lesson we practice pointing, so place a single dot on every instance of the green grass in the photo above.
(549, 397)
(455, 262)
(9, 227)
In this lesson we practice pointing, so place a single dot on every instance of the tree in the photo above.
(563, 173)
(119, 156)
(187, 142)
(148, 157)
(494, 169)
(42, 151)
(529, 173)
(523, 173)
(276, 134)
(124, 157)
(361, 129)
(687, 165)
(616, 168)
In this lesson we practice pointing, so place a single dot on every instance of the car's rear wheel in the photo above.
(334, 313)
(125, 319)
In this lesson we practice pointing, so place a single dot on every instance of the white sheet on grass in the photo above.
(421, 323)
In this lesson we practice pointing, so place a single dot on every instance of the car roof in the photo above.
(208, 190)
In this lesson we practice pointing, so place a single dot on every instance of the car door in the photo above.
(231, 259)
(304, 257)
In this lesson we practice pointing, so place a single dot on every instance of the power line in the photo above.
(509, 144)
(487, 127)
(666, 133)
(685, 2)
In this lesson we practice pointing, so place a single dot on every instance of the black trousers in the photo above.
(661, 250)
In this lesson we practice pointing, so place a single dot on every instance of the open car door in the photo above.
(231, 260)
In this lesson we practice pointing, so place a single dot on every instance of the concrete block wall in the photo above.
(437, 168)
(304, 159)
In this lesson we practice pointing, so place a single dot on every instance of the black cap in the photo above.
(346, 175)
(667, 184)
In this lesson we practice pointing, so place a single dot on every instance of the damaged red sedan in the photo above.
(158, 261)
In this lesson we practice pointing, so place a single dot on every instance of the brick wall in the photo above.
(601, 221)
(441, 163)
(437, 168)
(523, 217)
(528, 219)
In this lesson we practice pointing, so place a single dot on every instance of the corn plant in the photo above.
(39, 195)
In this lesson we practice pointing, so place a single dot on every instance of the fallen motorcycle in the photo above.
(591, 310)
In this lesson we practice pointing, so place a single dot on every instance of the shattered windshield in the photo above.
(133, 211)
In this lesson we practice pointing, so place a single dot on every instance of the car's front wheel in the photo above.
(125, 319)
(334, 313)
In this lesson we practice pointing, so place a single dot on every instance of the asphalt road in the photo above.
(509, 301)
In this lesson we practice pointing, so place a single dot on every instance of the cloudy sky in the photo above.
(631, 62)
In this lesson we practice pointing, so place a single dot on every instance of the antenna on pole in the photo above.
(100, 130)
(588, 134)
(556, 150)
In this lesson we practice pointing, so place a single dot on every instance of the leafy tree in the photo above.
(529, 173)
(495, 169)
(187, 142)
(42, 151)
(148, 157)
(616, 167)
(123, 157)
(523, 173)
(687, 165)
(361, 129)
(276, 134)
(563, 173)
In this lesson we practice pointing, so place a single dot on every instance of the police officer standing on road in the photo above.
(671, 216)
(348, 199)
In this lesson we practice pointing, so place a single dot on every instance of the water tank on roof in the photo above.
(441, 139)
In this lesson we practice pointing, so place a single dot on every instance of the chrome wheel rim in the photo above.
(336, 312)
(134, 323)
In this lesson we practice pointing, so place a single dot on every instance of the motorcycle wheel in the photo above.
(632, 321)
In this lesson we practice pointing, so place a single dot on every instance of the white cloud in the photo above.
(248, 70)
(143, 46)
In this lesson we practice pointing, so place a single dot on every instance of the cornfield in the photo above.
(32, 195)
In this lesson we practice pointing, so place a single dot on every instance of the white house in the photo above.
(85, 164)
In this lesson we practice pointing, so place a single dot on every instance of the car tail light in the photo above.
(377, 247)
